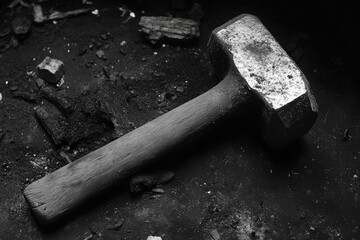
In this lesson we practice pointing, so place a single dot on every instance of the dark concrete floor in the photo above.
(226, 180)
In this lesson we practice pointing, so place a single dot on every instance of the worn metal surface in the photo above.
(262, 62)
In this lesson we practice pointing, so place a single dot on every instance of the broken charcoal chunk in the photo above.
(53, 122)
(215, 234)
(168, 28)
(26, 95)
(51, 70)
(21, 25)
(117, 225)
(40, 82)
(101, 54)
(57, 98)
(147, 181)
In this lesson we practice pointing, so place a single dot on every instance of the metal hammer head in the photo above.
(244, 48)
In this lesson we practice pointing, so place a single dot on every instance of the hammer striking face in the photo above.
(245, 48)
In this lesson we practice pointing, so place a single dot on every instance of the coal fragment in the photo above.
(147, 181)
(168, 28)
(57, 98)
(180, 89)
(117, 225)
(27, 96)
(21, 25)
(40, 82)
(101, 54)
(54, 123)
(92, 117)
(51, 70)
(215, 234)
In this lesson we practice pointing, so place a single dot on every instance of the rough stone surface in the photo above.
(168, 28)
(51, 70)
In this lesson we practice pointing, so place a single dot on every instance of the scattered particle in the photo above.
(95, 12)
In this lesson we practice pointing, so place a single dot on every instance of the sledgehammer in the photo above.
(256, 72)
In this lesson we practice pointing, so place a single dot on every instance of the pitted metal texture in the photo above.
(262, 62)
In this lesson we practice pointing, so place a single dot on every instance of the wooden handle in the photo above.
(58, 193)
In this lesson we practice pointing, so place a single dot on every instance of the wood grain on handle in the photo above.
(58, 193)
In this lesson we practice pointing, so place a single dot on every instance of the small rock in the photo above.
(95, 12)
(215, 234)
(117, 225)
(21, 25)
(104, 36)
(180, 89)
(38, 13)
(51, 70)
(40, 82)
(158, 190)
(101, 54)
(153, 238)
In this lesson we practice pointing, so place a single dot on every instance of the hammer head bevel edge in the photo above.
(245, 48)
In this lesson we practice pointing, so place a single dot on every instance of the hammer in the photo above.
(256, 72)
